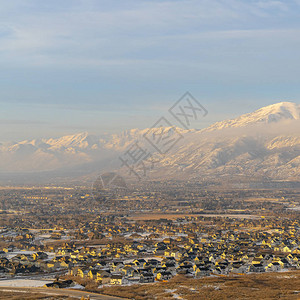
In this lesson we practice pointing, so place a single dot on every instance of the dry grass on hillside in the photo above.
(254, 286)
(29, 296)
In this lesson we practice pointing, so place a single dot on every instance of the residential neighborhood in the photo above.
(90, 247)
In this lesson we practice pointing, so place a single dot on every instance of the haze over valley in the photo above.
(264, 144)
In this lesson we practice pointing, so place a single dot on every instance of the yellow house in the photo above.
(80, 273)
(93, 274)
(286, 249)
(116, 280)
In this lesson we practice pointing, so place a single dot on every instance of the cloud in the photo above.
(98, 34)
(279, 5)
(22, 122)
(127, 56)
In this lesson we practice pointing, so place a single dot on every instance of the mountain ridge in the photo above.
(267, 114)
(265, 142)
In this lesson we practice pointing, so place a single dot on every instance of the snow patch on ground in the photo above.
(171, 291)
(216, 287)
(287, 276)
(76, 287)
(24, 283)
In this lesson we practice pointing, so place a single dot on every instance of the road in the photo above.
(59, 292)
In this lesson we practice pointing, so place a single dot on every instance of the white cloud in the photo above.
(95, 33)
(280, 5)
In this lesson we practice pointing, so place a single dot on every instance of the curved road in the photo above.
(59, 292)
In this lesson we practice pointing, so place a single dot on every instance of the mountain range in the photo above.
(262, 144)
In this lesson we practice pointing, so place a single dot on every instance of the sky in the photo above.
(105, 66)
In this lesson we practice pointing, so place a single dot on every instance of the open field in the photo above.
(262, 199)
(29, 296)
(48, 293)
(233, 216)
(24, 283)
(157, 216)
(283, 285)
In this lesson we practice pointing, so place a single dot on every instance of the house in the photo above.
(153, 262)
(92, 274)
(116, 266)
(147, 278)
(102, 264)
(159, 269)
(60, 284)
(273, 267)
(202, 271)
(164, 276)
(39, 255)
(285, 262)
(133, 280)
(258, 268)
(79, 272)
(103, 276)
(116, 280)
(220, 270)
(128, 271)
(139, 262)
(52, 266)
(66, 265)
(238, 268)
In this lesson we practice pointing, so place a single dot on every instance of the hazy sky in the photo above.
(103, 66)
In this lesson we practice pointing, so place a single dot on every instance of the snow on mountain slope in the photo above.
(266, 115)
(82, 141)
(121, 141)
(264, 143)
(51, 154)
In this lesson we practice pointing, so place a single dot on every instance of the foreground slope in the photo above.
(283, 285)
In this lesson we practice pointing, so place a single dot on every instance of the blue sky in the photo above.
(104, 66)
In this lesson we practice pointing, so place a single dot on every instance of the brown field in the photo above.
(28, 296)
(50, 293)
(262, 199)
(255, 286)
(171, 216)
(150, 216)
(233, 216)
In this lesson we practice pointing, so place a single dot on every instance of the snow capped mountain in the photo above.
(266, 115)
(261, 144)
(51, 154)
